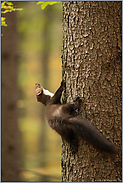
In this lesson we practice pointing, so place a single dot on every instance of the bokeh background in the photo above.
(39, 61)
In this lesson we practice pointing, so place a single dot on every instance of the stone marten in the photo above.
(64, 119)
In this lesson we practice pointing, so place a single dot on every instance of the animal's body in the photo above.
(66, 122)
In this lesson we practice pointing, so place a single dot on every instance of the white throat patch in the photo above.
(46, 92)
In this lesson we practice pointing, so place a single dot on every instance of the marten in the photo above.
(64, 119)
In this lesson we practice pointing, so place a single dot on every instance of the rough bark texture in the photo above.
(92, 66)
(10, 142)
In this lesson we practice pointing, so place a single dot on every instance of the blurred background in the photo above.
(39, 61)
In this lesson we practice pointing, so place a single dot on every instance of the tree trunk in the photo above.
(10, 141)
(92, 67)
(44, 57)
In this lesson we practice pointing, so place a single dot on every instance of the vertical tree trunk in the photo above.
(92, 65)
(44, 57)
(10, 142)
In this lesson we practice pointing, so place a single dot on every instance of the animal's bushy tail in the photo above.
(88, 132)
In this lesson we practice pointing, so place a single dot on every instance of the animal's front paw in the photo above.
(63, 83)
(78, 99)
(38, 89)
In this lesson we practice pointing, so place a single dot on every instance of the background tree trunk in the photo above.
(10, 141)
(92, 66)
(44, 56)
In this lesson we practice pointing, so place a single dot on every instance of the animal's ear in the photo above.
(38, 89)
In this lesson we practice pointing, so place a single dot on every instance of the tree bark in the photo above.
(10, 141)
(92, 67)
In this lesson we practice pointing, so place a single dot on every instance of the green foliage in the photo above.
(5, 8)
(3, 23)
(45, 3)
